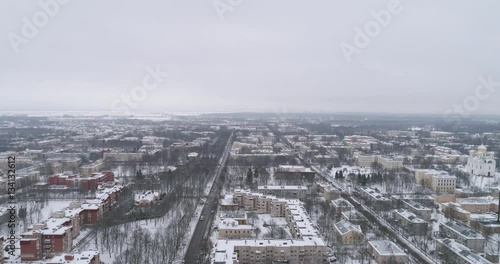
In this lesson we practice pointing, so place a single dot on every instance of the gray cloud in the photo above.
(264, 55)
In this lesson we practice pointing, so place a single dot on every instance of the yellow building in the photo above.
(349, 234)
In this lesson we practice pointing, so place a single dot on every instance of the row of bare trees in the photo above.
(152, 241)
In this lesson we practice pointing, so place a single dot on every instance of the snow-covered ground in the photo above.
(36, 212)
(483, 182)
(144, 231)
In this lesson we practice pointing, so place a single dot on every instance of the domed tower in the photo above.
(481, 151)
(481, 162)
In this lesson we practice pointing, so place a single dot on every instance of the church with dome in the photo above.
(481, 162)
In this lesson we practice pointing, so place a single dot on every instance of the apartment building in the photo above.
(401, 133)
(232, 229)
(438, 181)
(348, 233)
(359, 142)
(386, 162)
(354, 217)
(366, 161)
(239, 216)
(294, 192)
(485, 223)
(64, 179)
(87, 170)
(260, 203)
(306, 247)
(385, 251)
(45, 240)
(462, 234)
(31, 247)
(454, 252)
(410, 222)
(67, 163)
(444, 183)
(293, 172)
(455, 211)
(341, 205)
(262, 251)
(59, 219)
(376, 199)
(55, 235)
(479, 204)
(301, 226)
(418, 209)
(327, 190)
(390, 163)
(89, 183)
(227, 204)
(122, 157)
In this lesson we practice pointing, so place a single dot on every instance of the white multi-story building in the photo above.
(385, 162)
(296, 192)
(307, 246)
(438, 181)
(444, 183)
(481, 162)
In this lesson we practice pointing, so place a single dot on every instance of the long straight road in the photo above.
(194, 249)
(413, 250)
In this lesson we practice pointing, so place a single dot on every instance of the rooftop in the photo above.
(463, 230)
(409, 216)
(478, 200)
(82, 258)
(278, 187)
(233, 224)
(386, 248)
(464, 252)
(345, 226)
(342, 203)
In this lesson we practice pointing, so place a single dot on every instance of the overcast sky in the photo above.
(264, 55)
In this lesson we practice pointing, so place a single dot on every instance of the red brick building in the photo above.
(93, 181)
(56, 234)
(57, 241)
(69, 181)
(31, 248)
(91, 213)
(45, 240)
(89, 183)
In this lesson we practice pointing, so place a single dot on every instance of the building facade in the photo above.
(463, 235)
(481, 162)
(385, 251)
